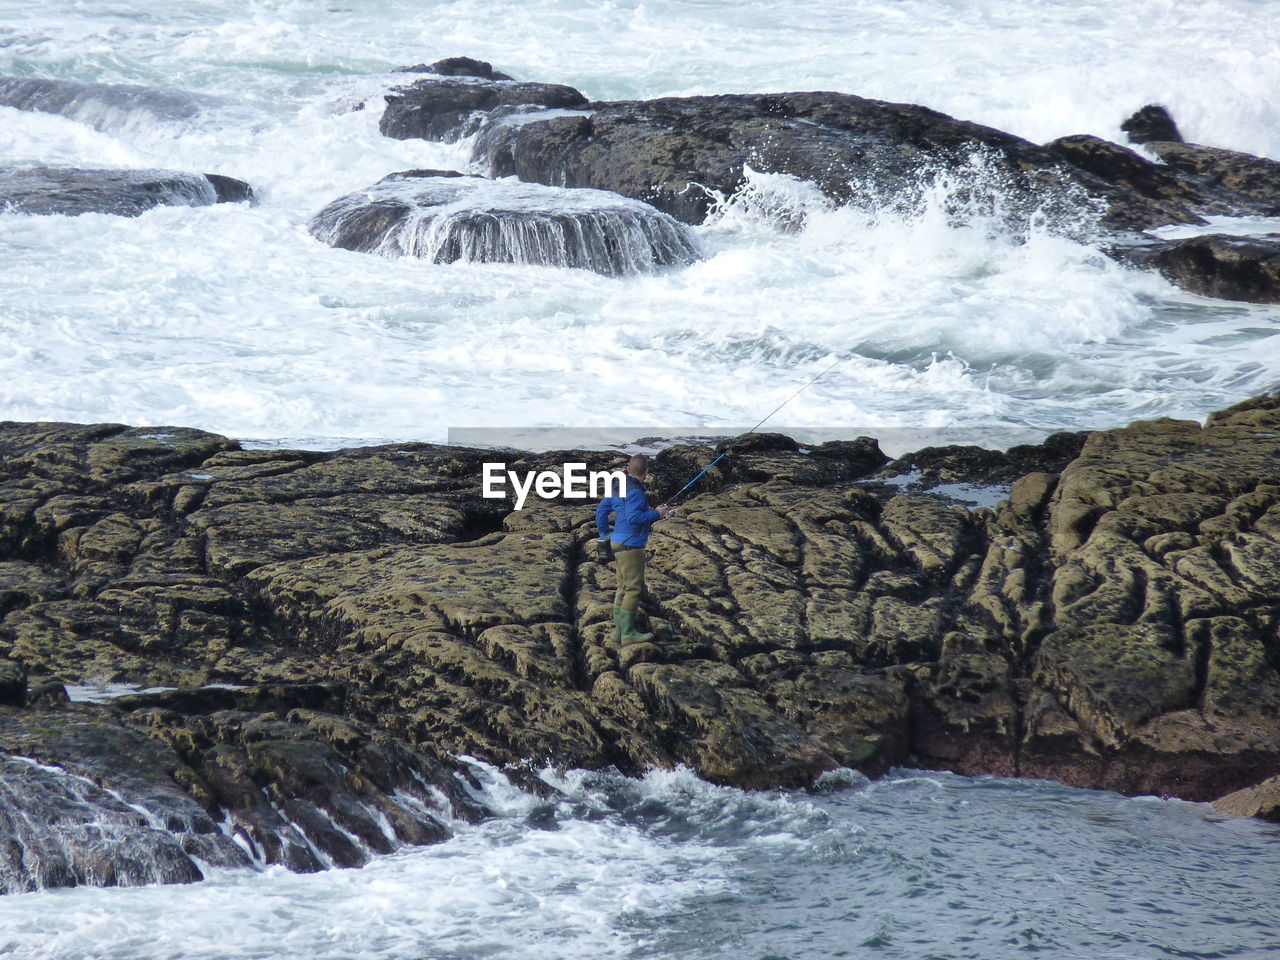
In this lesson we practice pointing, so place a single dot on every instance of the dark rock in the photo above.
(448, 109)
(863, 455)
(453, 217)
(294, 787)
(1227, 267)
(60, 831)
(684, 154)
(229, 189)
(457, 67)
(1125, 168)
(127, 193)
(1152, 122)
(13, 684)
(980, 466)
(49, 693)
(1253, 183)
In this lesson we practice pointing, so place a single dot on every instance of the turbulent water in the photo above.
(915, 866)
(232, 318)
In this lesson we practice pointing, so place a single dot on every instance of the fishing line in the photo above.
(803, 387)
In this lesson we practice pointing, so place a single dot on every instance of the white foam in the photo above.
(233, 319)
(501, 889)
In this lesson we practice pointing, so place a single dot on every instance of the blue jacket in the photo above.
(632, 519)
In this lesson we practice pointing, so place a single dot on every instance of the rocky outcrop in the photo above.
(687, 155)
(1230, 268)
(69, 191)
(338, 624)
(1192, 180)
(682, 153)
(1152, 122)
(442, 216)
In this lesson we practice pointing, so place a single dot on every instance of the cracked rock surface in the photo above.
(338, 626)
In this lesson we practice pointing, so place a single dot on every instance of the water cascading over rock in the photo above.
(443, 216)
(109, 107)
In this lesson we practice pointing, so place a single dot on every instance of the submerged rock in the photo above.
(104, 106)
(70, 191)
(443, 217)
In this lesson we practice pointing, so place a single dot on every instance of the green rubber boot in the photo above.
(627, 622)
(617, 622)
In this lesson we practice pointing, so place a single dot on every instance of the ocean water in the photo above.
(233, 319)
(918, 866)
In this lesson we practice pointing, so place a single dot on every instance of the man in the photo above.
(633, 520)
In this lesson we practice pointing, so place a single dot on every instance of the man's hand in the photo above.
(664, 510)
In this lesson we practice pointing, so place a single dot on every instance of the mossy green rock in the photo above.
(1112, 623)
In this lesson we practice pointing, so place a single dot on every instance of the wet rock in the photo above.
(458, 67)
(1254, 182)
(229, 189)
(60, 831)
(299, 787)
(685, 154)
(1152, 122)
(70, 191)
(104, 106)
(452, 217)
(981, 466)
(1226, 267)
(1262, 800)
(1125, 168)
(454, 106)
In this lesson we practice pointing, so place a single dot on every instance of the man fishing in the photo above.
(633, 520)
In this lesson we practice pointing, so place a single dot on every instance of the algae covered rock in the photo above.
(337, 624)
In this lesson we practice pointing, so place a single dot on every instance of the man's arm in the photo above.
(637, 507)
(607, 506)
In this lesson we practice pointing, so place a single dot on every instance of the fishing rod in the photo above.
(804, 387)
